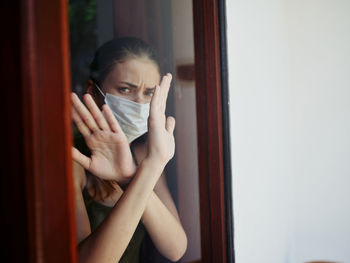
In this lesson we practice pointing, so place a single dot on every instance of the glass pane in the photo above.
(167, 26)
(186, 129)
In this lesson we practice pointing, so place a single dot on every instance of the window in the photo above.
(47, 128)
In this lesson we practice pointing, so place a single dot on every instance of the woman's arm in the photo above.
(161, 218)
(81, 216)
(163, 224)
(109, 241)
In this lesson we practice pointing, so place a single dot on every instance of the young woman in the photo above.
(121, 189)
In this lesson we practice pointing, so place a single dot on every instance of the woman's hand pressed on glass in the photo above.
(111, 158)
(161, 144)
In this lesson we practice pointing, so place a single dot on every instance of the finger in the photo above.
(84, 130)
(164, 90)
(112, 121)
(96, 113)
(81, 158)
(84, 114)
(166, 80)
(165, 84)
(155, 101)
(170, 124)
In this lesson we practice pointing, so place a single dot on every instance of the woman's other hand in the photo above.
(161, 145)
(111, 158)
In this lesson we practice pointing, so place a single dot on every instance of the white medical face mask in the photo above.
(132, 116)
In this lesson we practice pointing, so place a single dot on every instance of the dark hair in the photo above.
(118, 50)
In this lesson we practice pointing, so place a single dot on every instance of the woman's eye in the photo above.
(149, 93)
(124, 90)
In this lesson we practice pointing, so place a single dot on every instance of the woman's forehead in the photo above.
(136, 71)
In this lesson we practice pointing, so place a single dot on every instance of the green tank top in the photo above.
(97, 212)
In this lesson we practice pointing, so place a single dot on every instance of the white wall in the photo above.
(260, 130)
(320, 71)
(289, 77)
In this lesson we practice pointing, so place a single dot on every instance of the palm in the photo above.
(161, 139)
(111, 158)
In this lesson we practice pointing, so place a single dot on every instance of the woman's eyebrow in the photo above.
(135, 86)
(129, 84)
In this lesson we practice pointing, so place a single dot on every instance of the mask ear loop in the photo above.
(101, 94)
(99, 90)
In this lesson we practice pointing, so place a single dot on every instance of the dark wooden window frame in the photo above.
(41, 42)
(47, 130)
(213, 127)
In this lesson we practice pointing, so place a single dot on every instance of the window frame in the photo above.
(46, 123)
(212, 131)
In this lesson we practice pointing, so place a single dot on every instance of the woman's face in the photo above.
(133, 79)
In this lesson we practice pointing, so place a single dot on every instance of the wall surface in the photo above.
(289, 77)
(319, 39)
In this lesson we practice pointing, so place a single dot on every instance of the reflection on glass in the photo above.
(167, 26)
